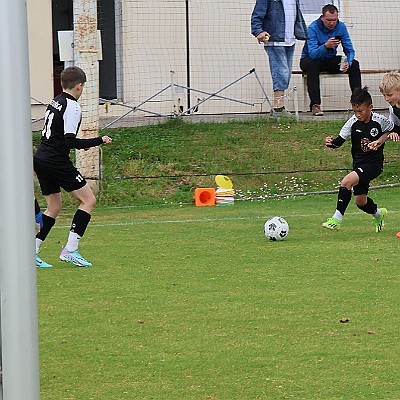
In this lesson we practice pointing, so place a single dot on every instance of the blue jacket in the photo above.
(269, 16)
(319, 35)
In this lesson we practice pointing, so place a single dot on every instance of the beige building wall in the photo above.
(40, 54)
(152, 43)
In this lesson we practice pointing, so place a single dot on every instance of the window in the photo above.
(311, 9)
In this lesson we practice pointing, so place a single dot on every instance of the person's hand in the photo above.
(263, 37)
(394, 136)
(328, 141)
(375, 145)
(106, 140)
(332, 43)
(346, 66)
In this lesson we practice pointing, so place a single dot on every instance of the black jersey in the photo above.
(61, 125)
(362, 134)
(63, 115)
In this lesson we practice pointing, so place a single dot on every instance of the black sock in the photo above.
(80, 222)
(370, 207)
(48, 223)
(344, 197)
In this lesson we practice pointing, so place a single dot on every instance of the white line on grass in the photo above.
(186, 221)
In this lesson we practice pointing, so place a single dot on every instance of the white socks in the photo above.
(338, 215)
(73, 242)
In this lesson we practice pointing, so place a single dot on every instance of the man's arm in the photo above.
(316, 50)
(347, 44)
(257, 17)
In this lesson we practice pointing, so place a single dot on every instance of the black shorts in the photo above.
(54, 177)
(366, 173)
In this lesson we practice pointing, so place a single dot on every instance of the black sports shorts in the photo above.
(366, 173)
(54, 177)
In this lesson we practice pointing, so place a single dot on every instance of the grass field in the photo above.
(193, 303)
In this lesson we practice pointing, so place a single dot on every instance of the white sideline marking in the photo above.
(186, 221)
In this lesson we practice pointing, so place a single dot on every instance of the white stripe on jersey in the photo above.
(386, 124)
(72, 117)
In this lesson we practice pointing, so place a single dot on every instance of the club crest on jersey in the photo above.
(364, 145)
(374, 132)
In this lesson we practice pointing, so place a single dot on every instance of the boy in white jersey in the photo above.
(390, 88)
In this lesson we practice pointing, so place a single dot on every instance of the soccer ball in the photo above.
(276, 229)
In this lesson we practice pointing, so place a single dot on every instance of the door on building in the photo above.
(63, 20)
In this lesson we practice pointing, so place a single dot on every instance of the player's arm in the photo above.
(344, 134)
(334, 143)
(395, 134)
(72, 142)
(379, 142)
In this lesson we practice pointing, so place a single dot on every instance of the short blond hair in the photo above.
(390, 82)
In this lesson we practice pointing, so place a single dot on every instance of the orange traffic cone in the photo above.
(204, 197)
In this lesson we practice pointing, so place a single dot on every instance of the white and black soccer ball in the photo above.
(276, 229)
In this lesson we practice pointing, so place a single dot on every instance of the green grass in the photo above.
(164, 163)
(194, 303)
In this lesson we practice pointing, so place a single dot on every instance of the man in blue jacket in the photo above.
(277, 24)
(320, 54)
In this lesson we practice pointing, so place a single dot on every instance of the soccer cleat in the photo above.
(380, 221)
(42, 264)
(332, 223)
(74, 257)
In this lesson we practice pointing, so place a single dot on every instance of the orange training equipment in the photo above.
(204, 197)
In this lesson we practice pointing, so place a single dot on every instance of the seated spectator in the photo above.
(320, 54)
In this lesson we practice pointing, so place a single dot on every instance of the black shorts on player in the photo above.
(54, 177)
(366, 173)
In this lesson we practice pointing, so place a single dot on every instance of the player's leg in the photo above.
(344, 197)
(52, 192)
(54, 204)
(363, 201)
(38, 214)
(79, 224)
(367, 205)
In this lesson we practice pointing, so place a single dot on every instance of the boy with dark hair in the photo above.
(55, 169)
(368, 132)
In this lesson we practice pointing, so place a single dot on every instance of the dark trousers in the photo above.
(331, 65)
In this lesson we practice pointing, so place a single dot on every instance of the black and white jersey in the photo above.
(394, 114)
(362, 134)
(61, 125)
(63, 115)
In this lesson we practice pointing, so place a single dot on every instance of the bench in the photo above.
(363, 72)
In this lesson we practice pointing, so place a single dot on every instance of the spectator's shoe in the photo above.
(74, 257)
(332, 223)
(42, 264)
(380, 221)
(316, 110)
